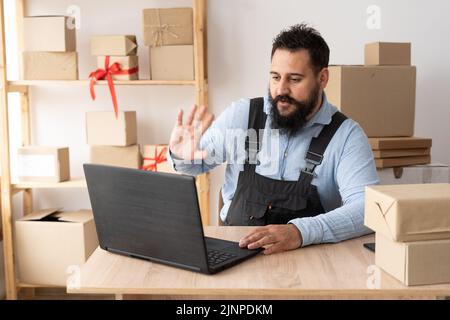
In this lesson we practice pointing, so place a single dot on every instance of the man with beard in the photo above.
(315, 194)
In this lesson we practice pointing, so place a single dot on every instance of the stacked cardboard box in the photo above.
(380, 96)
(43, 164)
(49, 49)
(113, 141)
(412, 225)
(120, 49)
(169, 34)
(400, 151)
(155, 158)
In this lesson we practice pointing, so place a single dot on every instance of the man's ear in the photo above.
(323, 78)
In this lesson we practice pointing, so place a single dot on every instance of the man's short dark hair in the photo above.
(301, 36)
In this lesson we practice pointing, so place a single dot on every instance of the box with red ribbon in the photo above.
(155, 158)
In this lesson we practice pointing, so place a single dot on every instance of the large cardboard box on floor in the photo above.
(104, 129)
(429, 173)
(43, 164)
(172, 63)
(126, 63)
(48, 33)
(128, 157)
(168, 26)
(387, 53)
(48, 242)
(114, 45)
(414, 263)
(50, 65)
(409, 212)
(381, 99)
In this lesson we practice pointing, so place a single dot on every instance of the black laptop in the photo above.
(155, 216)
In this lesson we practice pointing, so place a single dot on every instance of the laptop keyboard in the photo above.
(215, 257)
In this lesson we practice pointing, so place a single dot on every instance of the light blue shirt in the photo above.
(347, 167)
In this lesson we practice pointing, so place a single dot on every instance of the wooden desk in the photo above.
(320, 271)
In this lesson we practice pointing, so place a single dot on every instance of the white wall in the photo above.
(239, 41)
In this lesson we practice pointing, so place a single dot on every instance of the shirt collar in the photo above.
(323, 116)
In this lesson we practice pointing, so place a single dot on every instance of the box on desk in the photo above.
(43, 164)
(429, 173)
(128, 157)
(104, 129)
(409, 212)
(172, 63)
(48, 33)
(414, 263)
(126, 63)
(50, 65)
(114, 45)
(168, 26)
(381, 99)
(387, 53)
(50, 241)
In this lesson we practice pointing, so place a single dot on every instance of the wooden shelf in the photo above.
(14, 84)
(73, 183)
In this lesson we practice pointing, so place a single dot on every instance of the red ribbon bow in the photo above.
(107, 73)
(158, 158)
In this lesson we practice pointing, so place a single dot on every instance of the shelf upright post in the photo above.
(201, 86)
(6, 191)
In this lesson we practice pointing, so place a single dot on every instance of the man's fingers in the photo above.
(191, 115)
(180, 118)
(265, 240)
(200, 154)
(275, 248)
(247, 239)
(253, 237)
(200, 113)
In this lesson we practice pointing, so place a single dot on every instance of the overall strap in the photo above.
(256, 120)
(318, 145)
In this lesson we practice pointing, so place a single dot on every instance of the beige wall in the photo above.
(239, 42)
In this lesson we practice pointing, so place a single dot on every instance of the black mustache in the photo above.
(284, 98)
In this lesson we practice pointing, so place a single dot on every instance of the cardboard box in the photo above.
(172, 63)
(48, 242)
(168, 27)
(159, 152)
(104, 129)
(48, 33)
(409, 212)
(120, 45)
(125, 63)
(429, 173)
(414, 263)
(43, 164)
(50, 65)
(399, 143)
(387, 54)
(381, 99)
(396, 153)
(402, 161)
(128, 157)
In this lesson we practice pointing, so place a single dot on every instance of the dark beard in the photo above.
(292, 123)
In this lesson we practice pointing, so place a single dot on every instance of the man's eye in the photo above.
(296, 79)
(275, 78)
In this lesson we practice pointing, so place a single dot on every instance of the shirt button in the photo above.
(285, 154)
